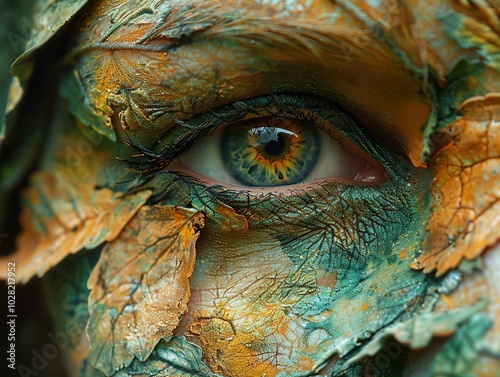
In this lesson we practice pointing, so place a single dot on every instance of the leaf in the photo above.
(80, 103)
(140, 287)
(87, 370)
(460, 354)
(471, 33)
(63, 216)
(417, 332)
(460, 85)
(50, 16)
(168, 189)
(221, 214)
(175, 358)
(466, 190)
(48, 19)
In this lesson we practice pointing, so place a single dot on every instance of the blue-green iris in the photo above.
(270, 151)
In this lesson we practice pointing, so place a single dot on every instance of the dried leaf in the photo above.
(466, 213)
(140, 286)
(64, 216)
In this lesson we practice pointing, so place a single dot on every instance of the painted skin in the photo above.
(313, 278)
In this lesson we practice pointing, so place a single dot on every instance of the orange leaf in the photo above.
(466, 213)
(64, 216)
(140, 286)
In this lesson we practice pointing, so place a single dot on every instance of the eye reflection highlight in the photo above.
(277, 151)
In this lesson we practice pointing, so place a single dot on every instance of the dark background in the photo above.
(33, 321)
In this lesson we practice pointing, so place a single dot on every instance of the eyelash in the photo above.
(147, 162)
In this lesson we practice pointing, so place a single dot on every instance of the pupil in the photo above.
(275, 147)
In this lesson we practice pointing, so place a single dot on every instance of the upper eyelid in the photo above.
(196, 127)
(154, 161)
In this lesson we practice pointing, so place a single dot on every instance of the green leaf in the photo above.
(49, 17)
(460, 354)
(416, 332)
(80, 104)
(175, 358)
(470, 33)
(458, 88)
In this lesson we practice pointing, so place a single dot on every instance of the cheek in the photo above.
(239, 310)
(262, 303)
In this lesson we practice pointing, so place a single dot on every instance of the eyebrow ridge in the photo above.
(173, 26)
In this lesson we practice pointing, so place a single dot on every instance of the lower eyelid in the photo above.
(287, 190)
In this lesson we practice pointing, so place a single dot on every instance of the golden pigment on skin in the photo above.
(261, 188)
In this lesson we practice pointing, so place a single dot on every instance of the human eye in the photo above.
(286, 140)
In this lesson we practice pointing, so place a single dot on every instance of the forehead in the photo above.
(419, 23)
(145, 66)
